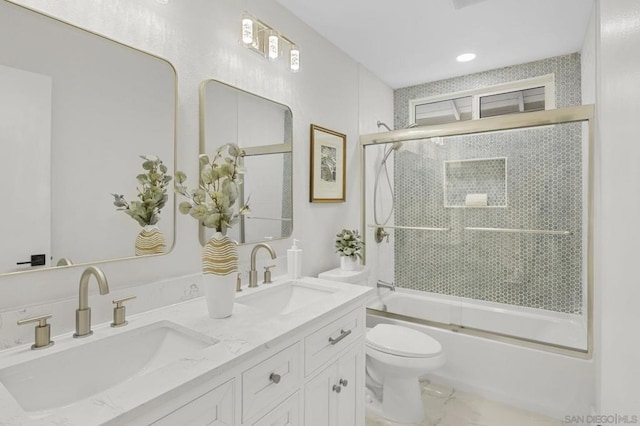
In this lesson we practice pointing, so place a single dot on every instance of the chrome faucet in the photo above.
(83, 313)
(253, 273)
(384, 284)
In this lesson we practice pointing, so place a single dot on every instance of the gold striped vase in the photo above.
(150, 241)
(219, 271)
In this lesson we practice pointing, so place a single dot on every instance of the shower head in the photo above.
(381, 124)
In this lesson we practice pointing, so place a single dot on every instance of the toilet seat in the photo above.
(402, 342)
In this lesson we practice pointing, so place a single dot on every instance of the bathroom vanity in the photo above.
(291, 353)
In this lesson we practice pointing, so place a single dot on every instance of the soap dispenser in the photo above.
(294, 261)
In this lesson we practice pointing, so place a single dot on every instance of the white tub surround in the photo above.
(537, 325)
(228, 376)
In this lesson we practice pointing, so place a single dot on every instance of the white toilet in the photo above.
(397, 357)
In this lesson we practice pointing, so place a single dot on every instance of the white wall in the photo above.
(376, 104)
(618, 207)
(200, 38)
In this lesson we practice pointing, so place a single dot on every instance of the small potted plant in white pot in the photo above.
(349, 246)
(152, 197)
(212, 204)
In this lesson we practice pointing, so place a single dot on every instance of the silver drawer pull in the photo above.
(342, 335)
(275, 378)
(336, 388)
(344, 382)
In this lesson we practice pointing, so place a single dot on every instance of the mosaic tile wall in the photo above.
(544, 191)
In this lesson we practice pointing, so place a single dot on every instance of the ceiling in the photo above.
(409, 42)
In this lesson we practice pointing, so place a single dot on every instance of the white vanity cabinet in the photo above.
(332, 392)
(203, 404)
(214, 408)
(334, 397)
(334, 389)
(314, 377)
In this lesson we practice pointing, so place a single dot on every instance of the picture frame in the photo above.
(328, 166)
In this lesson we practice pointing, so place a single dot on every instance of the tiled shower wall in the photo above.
(543, 177)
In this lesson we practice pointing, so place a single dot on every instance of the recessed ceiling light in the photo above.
(466, 57)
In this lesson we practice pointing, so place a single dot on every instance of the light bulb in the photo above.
(247, 30)
(273, 46)
(294, 57)
(466, 57)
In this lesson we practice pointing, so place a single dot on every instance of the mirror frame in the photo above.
(284, 148)
(173, 161)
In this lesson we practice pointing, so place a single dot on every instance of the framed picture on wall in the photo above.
(328, 165)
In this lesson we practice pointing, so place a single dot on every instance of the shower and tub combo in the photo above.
(487, 228)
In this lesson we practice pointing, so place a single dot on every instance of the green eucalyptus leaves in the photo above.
(152, 193)
(212, 203)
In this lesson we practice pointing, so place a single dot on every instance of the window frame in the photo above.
(547, 81)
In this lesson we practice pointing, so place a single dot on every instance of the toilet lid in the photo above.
(402, 341)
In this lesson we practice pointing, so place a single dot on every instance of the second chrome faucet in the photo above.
(83, 313)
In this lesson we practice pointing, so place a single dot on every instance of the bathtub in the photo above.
(555, 328)
(545, 382)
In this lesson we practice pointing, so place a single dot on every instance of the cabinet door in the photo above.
(319, 399)
(213, 408)
(335, 397)
(350, 378)
(285, 414)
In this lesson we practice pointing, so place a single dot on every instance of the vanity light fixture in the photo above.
(274, 49)
(247, 29)
(259, 37)
(466, 57)
(294, 58)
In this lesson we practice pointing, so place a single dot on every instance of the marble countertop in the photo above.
(247, 333)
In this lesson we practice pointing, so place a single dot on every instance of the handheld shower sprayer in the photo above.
(395, 146)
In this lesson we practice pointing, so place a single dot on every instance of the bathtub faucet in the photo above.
(384, 284)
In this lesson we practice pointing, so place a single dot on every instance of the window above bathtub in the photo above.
(533, 94)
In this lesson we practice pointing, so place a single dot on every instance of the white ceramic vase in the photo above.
(219, 272)
(349, 263)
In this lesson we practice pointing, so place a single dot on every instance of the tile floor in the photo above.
(445, 406)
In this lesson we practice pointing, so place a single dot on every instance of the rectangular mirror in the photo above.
(76, 112)
(263, 130)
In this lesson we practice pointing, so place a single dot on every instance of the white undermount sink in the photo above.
(285, 298)
(68, 376)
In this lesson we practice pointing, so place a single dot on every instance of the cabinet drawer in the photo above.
(285, 414)
(331, 339)
(270, 380)
(213, 408)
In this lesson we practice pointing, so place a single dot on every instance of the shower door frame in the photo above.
(582, 113)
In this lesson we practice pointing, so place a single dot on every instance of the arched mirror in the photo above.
(263, 130)
(76, 113)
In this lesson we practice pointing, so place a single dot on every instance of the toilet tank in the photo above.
(352, 277)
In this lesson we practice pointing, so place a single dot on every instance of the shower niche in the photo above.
(475, 183)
